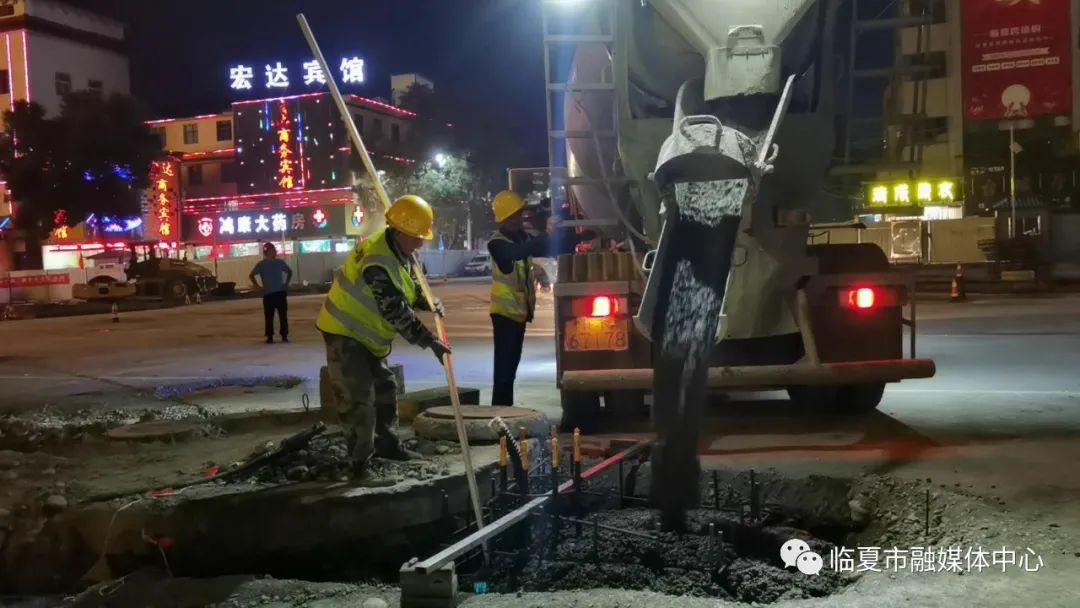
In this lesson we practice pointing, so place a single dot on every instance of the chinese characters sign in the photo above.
(286, 179)
(265, 225)
(912, 194)
(277, 76)
(162, 198)
(1016, 58)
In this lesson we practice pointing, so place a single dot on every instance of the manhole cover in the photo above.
(481, 412)
(159, 430)
(437, 423)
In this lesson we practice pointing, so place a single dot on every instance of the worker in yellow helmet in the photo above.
(371, 301)
(513, 288)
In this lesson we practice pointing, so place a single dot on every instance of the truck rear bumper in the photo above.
(760, 377)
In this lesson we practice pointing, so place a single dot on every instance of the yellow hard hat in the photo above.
(506, 203)
(411, 215)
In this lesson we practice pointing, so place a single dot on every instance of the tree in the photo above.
(93, 158)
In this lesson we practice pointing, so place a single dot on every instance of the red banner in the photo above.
(34, 280)
(1016, 58)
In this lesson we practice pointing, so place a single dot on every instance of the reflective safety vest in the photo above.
(350, 310)
(513, 295)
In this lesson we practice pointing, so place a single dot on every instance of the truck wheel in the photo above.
(176, 289)
(859, 398)
(626, 405)
(580, 411)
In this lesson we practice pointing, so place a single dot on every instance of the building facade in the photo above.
(49, 49)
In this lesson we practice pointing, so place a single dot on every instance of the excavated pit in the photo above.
(321, 530)
(731, 548)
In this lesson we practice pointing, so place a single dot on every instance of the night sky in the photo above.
(487, 53)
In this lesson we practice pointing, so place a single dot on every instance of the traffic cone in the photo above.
(958, 292)
(115, 313)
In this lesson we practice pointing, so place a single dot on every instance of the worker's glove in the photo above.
(441, 350)
(437, 304)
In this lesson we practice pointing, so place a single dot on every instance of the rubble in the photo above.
(326, 458)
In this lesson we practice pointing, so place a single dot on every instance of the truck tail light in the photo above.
(866, 298)
(602, 306)
(862, 297)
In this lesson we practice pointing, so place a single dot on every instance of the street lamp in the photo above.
(440, 160)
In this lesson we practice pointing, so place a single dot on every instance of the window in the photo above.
(7, 10)
(5, 89)
(395, 132)
(359, 120)
(95, 86)
(160, 133)
(63, 83)
(228, 173)
(224, 130)
(376, 127)
(191, 133)
(194, 175)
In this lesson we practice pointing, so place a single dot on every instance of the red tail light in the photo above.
(868, 298)
(863, 298)
(602, 306)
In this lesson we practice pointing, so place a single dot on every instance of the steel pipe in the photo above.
(760, 376)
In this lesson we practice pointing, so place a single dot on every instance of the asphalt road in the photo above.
(1006, 367)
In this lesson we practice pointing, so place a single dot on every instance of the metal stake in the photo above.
(753, 497)
(926, 531)
(716, 490)
(622, 488)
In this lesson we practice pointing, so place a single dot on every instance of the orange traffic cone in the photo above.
(115, 313)
(958, 292)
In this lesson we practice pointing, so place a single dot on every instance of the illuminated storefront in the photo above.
(928, 199)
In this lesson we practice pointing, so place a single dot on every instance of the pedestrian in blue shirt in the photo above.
(275, 275)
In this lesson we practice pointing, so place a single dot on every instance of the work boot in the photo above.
(395, 451)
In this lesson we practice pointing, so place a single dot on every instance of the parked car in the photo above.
(479, 265)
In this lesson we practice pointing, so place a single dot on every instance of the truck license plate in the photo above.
(586, 334)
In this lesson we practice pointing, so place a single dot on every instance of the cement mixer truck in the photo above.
(695, 136)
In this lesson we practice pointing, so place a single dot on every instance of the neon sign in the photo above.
(919, 193)
(284, 151)
(276, 76)
(163, 178)
(256, 225)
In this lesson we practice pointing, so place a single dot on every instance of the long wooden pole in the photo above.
(440, 326)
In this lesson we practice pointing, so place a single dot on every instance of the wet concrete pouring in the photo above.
(604, 536)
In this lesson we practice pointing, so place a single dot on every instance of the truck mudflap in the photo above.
(760, 377)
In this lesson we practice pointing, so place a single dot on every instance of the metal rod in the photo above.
(753, 497)
(482, 535)
(633, 533)
(926, 531)
(440, 326)
(716, 490)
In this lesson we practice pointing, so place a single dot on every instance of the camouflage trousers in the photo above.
(365, 395)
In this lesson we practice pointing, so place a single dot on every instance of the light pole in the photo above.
(1014, 149)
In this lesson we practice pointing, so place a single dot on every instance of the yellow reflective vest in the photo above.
(350, 310)
(513, 295)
